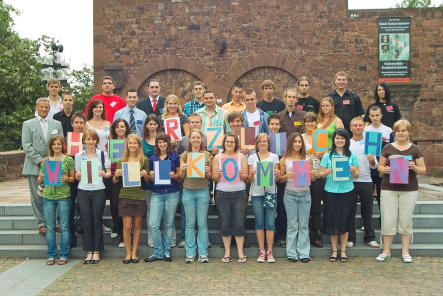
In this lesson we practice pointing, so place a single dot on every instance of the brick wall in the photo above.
(221, 41)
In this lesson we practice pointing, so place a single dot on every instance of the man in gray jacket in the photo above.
(35, 136)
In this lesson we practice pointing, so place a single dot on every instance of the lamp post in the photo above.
(55, 65)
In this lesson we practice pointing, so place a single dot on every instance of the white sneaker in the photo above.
(181, 244)
(121, 245)
(114, 234)
(262, 256)
(362, 228)
(382, 257)
(173, 244)
(406, 258)
(189, 259)
(106, 228)
(373, 244)
(349, 245)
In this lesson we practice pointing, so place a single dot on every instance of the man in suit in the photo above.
(35, 136)
(153, 103)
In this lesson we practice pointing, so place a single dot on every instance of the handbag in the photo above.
(270, 199)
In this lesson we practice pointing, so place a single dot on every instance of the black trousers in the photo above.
(364, 191)
(317, 190)
(74, 210)
(116, 220)
(281, 221)
(91, 205)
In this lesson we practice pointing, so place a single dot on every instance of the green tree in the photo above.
(20, 85)
(414, 4)
(81, 85)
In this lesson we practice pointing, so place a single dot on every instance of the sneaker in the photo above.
(173, 244)
(270, 256)
(292, 259)
(261, 258)
(373, 244)
(203, 259)
(305, 260)
(189, 259)
(114, 234)
(152, 258)
(362, 228)
(382, 257)
(151, 245)
(167, 258)
(121, 245)
(181, 244)
(406, 258)
(106, 229)
(349, 245)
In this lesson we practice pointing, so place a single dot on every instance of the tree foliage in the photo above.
(414, 4)
(81, 85)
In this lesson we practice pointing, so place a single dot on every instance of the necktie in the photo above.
(132, 120)
(44, 128)
(154, 104)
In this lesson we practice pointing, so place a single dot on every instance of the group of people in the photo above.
(295, 215)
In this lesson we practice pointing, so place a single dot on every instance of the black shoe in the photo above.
(152, 258)
(293, 260)
(317, 243)
(167, 258)
(136, 260)
(126, 261)
(305, 260)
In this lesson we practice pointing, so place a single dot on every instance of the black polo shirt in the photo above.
(347, 107)
(272, 107)
(65, 121)
(390, 111)
(309, 104)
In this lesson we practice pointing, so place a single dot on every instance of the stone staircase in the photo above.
(19, 237)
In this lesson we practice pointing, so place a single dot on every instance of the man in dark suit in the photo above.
(153, 103)
(35, 136)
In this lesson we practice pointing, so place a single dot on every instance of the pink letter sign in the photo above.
(74, 143)
(173, 129)
(229, 167)
(399, 171)
(302, 173)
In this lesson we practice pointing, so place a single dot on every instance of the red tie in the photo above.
(154, 104)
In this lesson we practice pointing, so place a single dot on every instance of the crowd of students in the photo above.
(285, 211)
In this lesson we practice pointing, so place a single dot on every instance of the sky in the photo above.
(70, 22)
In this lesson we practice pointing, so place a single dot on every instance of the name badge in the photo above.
(299, 107)
(257, 123)
(389, 108)
(346, 102)
(54, 132)
(297, 123)
(140, 122)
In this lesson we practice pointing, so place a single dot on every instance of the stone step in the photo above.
(216, 252)
(421, 207)
(32, 237)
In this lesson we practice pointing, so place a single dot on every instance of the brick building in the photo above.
(221, 42)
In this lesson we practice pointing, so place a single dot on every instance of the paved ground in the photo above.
(360, 276)
(7, 263)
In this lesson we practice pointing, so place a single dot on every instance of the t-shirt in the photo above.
(309, 104)
(65, 121)
(111, 103)
(386, 132)
(390, 111)
(390, 152)
(347, 107)
(254, 120)
(338, 186)
(137, 193)
(271, 107)
(259, 190)
(175, 163)
(59, 192)
(195, 183)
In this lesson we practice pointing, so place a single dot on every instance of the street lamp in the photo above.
(55, 65)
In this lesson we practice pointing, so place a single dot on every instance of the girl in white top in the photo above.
(264, 217)
(96, 120)
(297, 200)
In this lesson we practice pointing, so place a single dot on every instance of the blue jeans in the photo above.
(64, 210)
(264, 217)
(162, 203)
(298, 206)
(196, 203)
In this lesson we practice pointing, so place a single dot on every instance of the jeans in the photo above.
(91, 205)
(264, 217)
(49, 210)
(298, 205)
(196, 204)
(162, 203)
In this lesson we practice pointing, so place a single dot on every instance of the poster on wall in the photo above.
(394, 49)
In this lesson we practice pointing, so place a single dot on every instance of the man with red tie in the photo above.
(153, 103)
(112, 103)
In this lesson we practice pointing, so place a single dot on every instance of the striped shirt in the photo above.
(219, 118)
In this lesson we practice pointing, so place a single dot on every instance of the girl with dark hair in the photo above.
(297, 200)
(164, 199)
(338, 166)
(390, 111)
(120, 129)
(96, 120)
(57, 199)
(151, 128)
